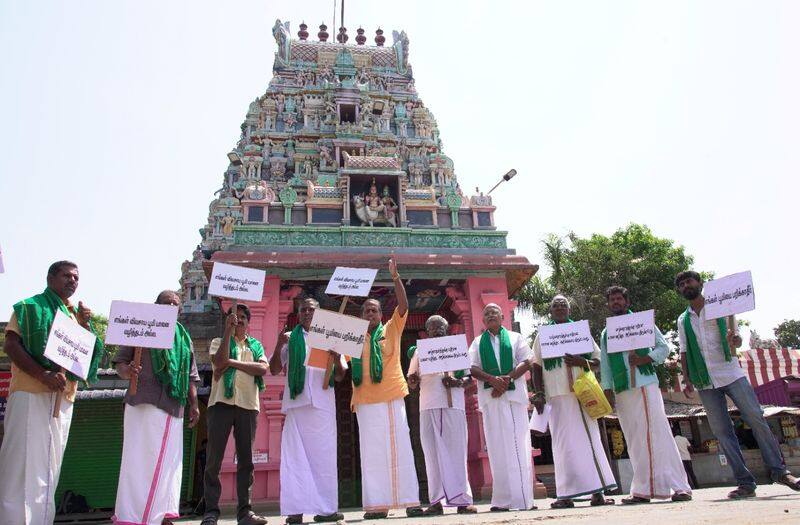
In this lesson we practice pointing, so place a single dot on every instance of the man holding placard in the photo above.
(657, 466)
(152, 448)
(239, 368)
(35, 437)
(500, 357)
(443, 429)
(389, 477)
(580, 462)
(710, 364)
(309, 476)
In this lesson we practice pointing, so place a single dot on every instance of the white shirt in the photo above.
(706, 331)
(683, 447)
(556, 381)
(432, 392)
(313, 394)
(521, 352)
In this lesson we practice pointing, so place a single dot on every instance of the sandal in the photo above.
(467, 509)
(498, 509)
(681, 496)
(599, 502)
(336, 516)
(434, 510)
(415, 512)
(634, 500)
(742, 492)
(376, 515)
(788, 480)
(294, 519)
(209, 519)
(562, 504)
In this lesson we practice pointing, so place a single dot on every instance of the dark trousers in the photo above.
(221, 419)
(687, 466)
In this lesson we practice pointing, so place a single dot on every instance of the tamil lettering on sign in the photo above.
(443, 354)
(343, 334)
(236, 282)
(729, 295)
(556, 340)
(141, 324)
(631, 331)
(351, 281)
(70, 345)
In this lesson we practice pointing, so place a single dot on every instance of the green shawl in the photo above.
(172, 367)
(458, 374)
(297, 359)
(698, 371)
(375, 359)
(35, 317)
(555, 362)
(489, 361)
(619, 372)
(258, 353)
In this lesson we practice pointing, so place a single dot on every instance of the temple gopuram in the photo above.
(340, 163)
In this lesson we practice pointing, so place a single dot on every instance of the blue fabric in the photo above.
(744, 397)
(658, 354)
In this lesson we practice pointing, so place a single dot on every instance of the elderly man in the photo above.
(657, 466)
(34, 440)
(443, 430)
(309, 480)
(500, 357)
(239, 368)
(149, 486)
(579, 458)
(389, 477)
(708, 358)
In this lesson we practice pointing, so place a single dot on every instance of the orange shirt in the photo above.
(393, 385)
(22, 382)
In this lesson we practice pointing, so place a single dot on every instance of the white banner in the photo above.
(141, 324)
(729, 295)
(343, 334)
(443, 354)
(631, 331)
(70, 345)
(237, 282)
(351, 281)
(556, 340)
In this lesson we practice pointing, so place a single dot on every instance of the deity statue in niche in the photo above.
(228, 222)
(389, 206)
(370, 208)
(325, 158)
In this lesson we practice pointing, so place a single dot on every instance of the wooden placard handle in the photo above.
(329, 369)
(137, 362)
(633, 370)
(449, 393)
(59, 396)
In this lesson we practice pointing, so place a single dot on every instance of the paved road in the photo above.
(774, 504)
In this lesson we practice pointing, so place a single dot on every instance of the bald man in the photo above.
(499, 358)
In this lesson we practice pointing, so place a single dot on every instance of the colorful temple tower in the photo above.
(340, 163)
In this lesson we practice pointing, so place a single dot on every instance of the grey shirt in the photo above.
(149, 390)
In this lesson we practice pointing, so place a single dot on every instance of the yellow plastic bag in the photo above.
(591, 396)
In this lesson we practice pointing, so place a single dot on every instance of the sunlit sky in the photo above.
(115, 118)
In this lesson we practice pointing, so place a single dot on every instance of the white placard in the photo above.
(141, 324)
(340, 333)
(729, 295)
(237, 282)
(351, 281)
(443, 354)
(556, 340)
(631, 331)
(539, 421)
(70, 345)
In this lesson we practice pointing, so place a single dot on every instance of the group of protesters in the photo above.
(41, 397)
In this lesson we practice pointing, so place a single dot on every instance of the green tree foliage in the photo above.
(100, 324)
(788, 333)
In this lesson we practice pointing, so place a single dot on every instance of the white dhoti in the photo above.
(657, 466)
(30, 458)
(443, 432)
(579, 458)
(388, 475)
(508, 442)
(309, 478)
(152, 462)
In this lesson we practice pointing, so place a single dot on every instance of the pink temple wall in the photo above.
(270, 315)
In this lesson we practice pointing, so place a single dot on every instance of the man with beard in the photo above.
(500, 357)
(657, 466)
(309, 480)
(443, 430)
(34, 442)
(581, 465)
(389, 477)
(708, 359)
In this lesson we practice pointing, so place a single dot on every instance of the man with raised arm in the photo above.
(657, 467)
(309, 477)
(149, 489)
(442, 430)
(239, 368)
(580, 461)
(34, 440)
(500, 358)
(709, 362)
(388, 474)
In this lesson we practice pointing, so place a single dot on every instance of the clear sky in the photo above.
(115, 117)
